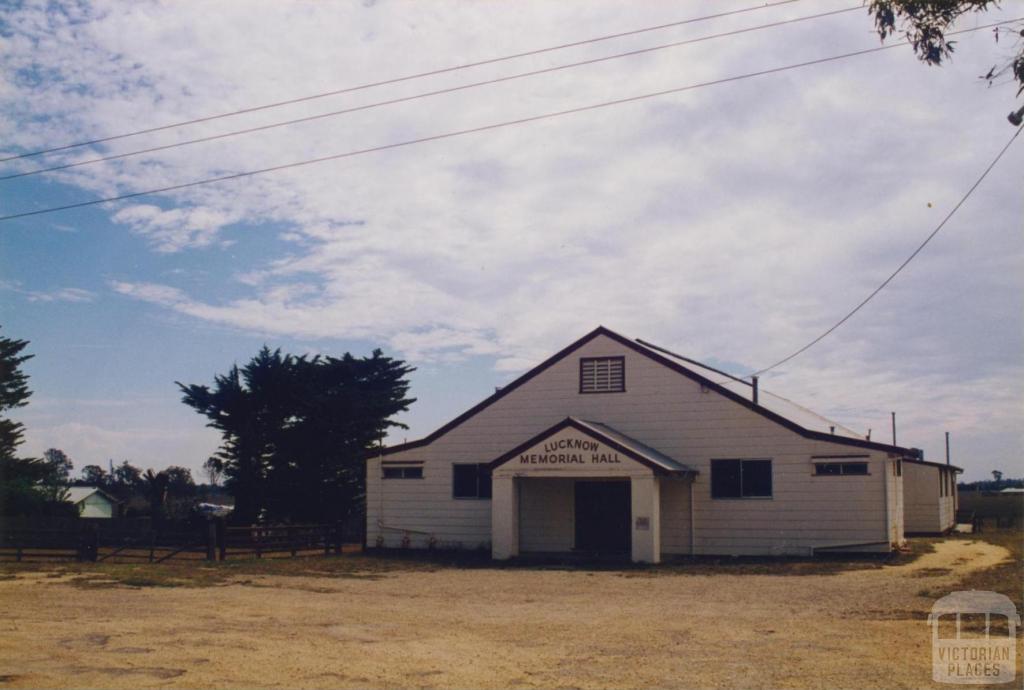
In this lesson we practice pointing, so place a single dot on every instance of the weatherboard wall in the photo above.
(95, 506)
(547, 520)
(926, 510)
(666, 411)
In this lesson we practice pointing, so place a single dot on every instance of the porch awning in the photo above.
(606, 435)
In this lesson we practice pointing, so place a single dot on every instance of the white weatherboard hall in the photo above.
(616, 446)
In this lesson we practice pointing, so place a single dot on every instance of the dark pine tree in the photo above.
(295, 430)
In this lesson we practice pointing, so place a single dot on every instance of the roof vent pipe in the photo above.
(832, 430)
(947, 447)
(753, 380)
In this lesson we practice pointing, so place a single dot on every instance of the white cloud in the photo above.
(64, 294)
(158, 294)
(176, 229)
(736, 221)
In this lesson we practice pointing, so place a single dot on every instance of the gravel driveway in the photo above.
(488, 628)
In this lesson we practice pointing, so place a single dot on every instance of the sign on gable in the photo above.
(572, 451)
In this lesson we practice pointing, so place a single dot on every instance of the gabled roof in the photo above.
(782, 414)
(630, 447)
(940, 465)
(77, 494)
(799, 414)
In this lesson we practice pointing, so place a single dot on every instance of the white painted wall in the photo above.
(547, 514)
(670, 413)
(96, 506)
(645, 506)
(675, 516)
(926, 510)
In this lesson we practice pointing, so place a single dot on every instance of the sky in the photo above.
(732, 223)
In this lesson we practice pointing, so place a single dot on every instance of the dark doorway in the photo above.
(603, 517)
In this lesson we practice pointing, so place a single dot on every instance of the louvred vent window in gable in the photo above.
(602, 374)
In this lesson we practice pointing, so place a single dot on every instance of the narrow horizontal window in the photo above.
(471, 481)
(838, 468)
(403, 473)
(741, 478)
(602, 374)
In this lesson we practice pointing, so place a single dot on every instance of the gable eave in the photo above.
(499, 394)
(597, 435)
(938, 465)
(664, 361)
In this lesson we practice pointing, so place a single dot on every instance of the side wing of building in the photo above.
(930, 498)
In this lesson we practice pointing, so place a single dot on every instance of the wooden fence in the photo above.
(211, 541)
(995, 508)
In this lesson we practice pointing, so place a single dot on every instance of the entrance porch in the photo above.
(580, 487)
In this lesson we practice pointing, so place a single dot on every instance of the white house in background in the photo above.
(92, 502)
(618, 446)
(929, 497)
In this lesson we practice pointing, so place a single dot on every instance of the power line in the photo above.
(901, 266)
(397, 80)
(472, 130)
(427, 94)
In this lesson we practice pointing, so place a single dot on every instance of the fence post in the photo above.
(88, 543)
(211, 540)
(222, 538)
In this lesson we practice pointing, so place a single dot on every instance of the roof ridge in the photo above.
(692, 361)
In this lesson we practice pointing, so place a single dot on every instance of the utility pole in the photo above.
(947, 447)
(894, 428)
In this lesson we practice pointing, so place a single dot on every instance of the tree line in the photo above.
(997, 483)
(295, 431)
(168, 493)
(38, 486)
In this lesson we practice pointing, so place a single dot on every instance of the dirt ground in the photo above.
(487, 628)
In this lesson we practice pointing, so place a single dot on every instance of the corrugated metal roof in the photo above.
(77, 494)
(783, 407)
(655, 456)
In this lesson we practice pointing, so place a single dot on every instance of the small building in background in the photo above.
(929, 497)
(92, 502)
